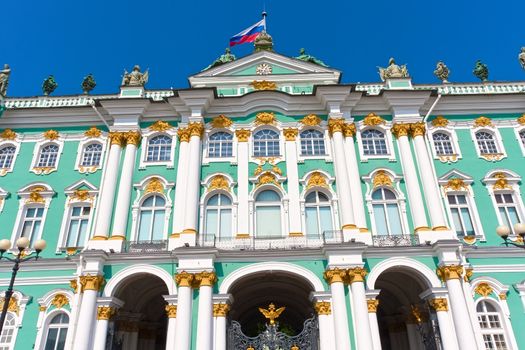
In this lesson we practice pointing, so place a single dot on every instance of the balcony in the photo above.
(145, 246)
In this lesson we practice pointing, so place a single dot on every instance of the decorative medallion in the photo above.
(35, 196)
(13, 304)
(81, 195)
(93, 132)
(440, 122)
(242, 135)
(265, 118)
(272, 313)
(263, 69)
(336, 125)
(154, 186)
(290, 134)
(221, 121)
(51, 135)
(7, 134)
(483, 122)
(373, 119)
(263, 85)
(219, 182)
(160, 125)
(311, 120)
(484, 289)
(382, 178)
(267, 178)
(317, 179)
(521, 120)
(59, 300)
(501, 182)
(455, 184)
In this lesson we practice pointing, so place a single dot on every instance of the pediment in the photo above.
(455, 174)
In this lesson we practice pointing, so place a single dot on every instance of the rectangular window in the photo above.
(32, 223)
(268, 221)
(507, 209)
(78, 226)
(461, 214)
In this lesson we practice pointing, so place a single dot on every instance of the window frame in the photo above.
(497, 141)
(47, 326)
(152, 209)
(472, 208)
(326, 145)
(219, 208)
(450, 132)
(159, 147)
(16, 145)
(283, 206)
(147, 135)
(11, 344)
(280, 141)
(36, 157)
(85, 142)
(329, 203)
(206, 159)
(517, 131)
(502, 319)
(385, 129)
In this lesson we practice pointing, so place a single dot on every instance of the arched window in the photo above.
(491, 325)
(486, 143)
(268, 214)
(159, 149)
(218, 220)
(374, 142)
(48, 156)
(7, 337)
(266, 143)
(92, 155)
(7, 154)
(220, 145)
(442, 144)
(312, 143)
(386, 212)
(522, 137)
(57, 332)
(151, 219)
(318, 213)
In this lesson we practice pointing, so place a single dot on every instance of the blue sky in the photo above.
(175, 39)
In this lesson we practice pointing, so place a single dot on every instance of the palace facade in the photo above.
(267, 206)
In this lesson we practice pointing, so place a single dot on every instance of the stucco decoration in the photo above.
(7, 134)
(59, 301)
(440, 122)
(501, 182)
(373, 119)
(290, 134)
(311, 120)
(51, 135)
(81, 195)
(483, 289)
(93, 132)
(317, 179)
(521, 120)
(265, 118)
(455, 184)
(382, 178)
(160, 126)
(219, 182)
(263, 85)
(242, 135)
(154, 185)
(35, 196)
(221, 121)
(13, 305)
(267, 178)
(482, 122)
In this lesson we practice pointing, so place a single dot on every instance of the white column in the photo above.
(104, 313)
(374, 326)
(355, 180)
(73, 317)
(193, 182)
(171, 312)
(452, 275)
(437, 212)
(446, 329)
(107, 188)
(184, 302)
(360, 308)
(335, 277)
(294, 208)
(125, 186)
(182, 178)
(86, 319)
(243, 212)
(324, 310)
(205, 280)
(342, 182)
(417, 207)
(219, 313)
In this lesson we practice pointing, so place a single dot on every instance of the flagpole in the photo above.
(264, 14)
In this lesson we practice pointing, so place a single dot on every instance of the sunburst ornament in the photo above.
(263, 69)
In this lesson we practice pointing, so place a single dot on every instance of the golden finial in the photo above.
(272, 313)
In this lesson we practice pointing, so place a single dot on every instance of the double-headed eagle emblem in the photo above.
(271, 313)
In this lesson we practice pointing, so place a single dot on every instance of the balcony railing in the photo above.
(145, 246)
(395, 241)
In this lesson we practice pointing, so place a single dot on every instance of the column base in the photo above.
(354, 234)
(433, 236)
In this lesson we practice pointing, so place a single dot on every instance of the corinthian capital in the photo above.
(89, 282)
(449, 272)
(196, 129)
(400, 129)
(184, 279)
(334, 275)
(205, 278)
(336, 125)
(417, 129)
(356, 274)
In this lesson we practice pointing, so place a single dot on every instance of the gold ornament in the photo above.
(7, 134)
(171, 311)
(242, 135)
(267, 178)
(290, 134)
(272, 313)
(221, 121)
(35, 196)
(502, 296)
(372, 305)
(336, 125)
(440, 122)
(42, 308)
(117, 138)
(73, 284)
(469, 271)
(59, 300)
(51, 135)
(263, 85)
(81, 195)
(183, 134)
(356, 274)
(449, 272)
(520, 120)
(196, 129)
(277, 170)
(349, 130)
(501, 182)
(13, 305)
(93, 132)
(484, 289)
(184, 279)
(400, 129)
(204, 278)
(311, 120)
(132, 138)
(323, 307)
(373, 120)
(295, 347)
(455, 184)
(439, 304)
(89, 282)
(382, 178)
(416, 315)
(417, 129)
(264, 118)
(317, 179)
(105, 312)
(154, 186)
(334, 275)
(220, 310)
(483, 122)
(160, 125)
(219, 182)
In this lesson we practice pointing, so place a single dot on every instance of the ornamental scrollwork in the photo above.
(154, 185)
(263, 118)
(484, 289)
(373, 119)
(267, 178)
(160, 126)
(220, 310)
(60, 300)
(221, 121)
(263, 85)
(455, 184)
(323, 307)
(7, 134)
(51, 135)
(93, 132)
(13, 305)
(501, 181)
(311, 120)
(117, 138)
(317, 179)
(381, 178)
(81, 195)
(132, 138)
(440, 122)
(483, 122)
(219, 182)
(35, 196)
(520, 120)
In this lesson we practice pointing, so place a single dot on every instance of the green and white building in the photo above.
(368, 211)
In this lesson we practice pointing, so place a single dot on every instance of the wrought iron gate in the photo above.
(272, 339)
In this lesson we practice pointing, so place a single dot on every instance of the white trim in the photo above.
(22, 303)
(148, 134)
(3, 197)
(16, 144)
(112, 284)
(32, 281)
(205, 142)
(272, 266)
(453, 141)
(38, 149)
(517, 131)
(497, 140)
(503, 311)
(41, 340)
(327, 157)
(424, 272)
(385, 129)
(80, 154)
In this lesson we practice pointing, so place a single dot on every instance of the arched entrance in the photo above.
(141, 323)
(248, 326)
(405, 320)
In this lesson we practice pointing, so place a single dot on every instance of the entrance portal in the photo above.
(141, 323)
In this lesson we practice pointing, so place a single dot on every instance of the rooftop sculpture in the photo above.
(135, 78)
(225, 58)
(49, 85)
(263, 42)
(88, 83)
(393, 70)
(4, 79)
(481, 71)
(303, 56)
(442, 72)
(521, 57)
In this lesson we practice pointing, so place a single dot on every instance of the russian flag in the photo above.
(249, 34)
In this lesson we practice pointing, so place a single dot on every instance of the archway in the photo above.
(141, 323)
(405, 320)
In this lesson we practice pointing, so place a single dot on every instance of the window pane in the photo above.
(394, 219)
(268, 196)
(62, 339)
(52, 336)
(457, 221)
(226, 223)
(326, 218)
(268, 221)
(467, 221)
(211, 222)
(311, 221)
(513, 215)
(158, 225)
(145, 223)
(72, 234)
(380, 219)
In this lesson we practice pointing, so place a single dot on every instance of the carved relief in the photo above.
(349, 130)
(267, 178)
(400, 129)
(265, 118)
(81, 195)
(381, 178)
(35, 196)
(501, 182)
(93, 132)
(317, 179)
(219, 182)
(59, 300)
(51, 135)
(323, 307)
(13, 305)
(336, 125)
(373, 119)
(484, 289)
(221, 121)
(154, 185)
(520, 120)
(311, 120)
(220, 310)
(455, 184)
(196, 129)
(440, 122)
(183, 134)
(160, 126)
(483, 122)
(263, 85)
(7, 134)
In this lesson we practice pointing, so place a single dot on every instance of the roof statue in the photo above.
(4, 79)
(442, 71)
(88, 83)
(481, 71)
(225, 58)
(135, 78)
(303, 56)
(49, 85)
(521, 57)
(393, 70)
(263, 42)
